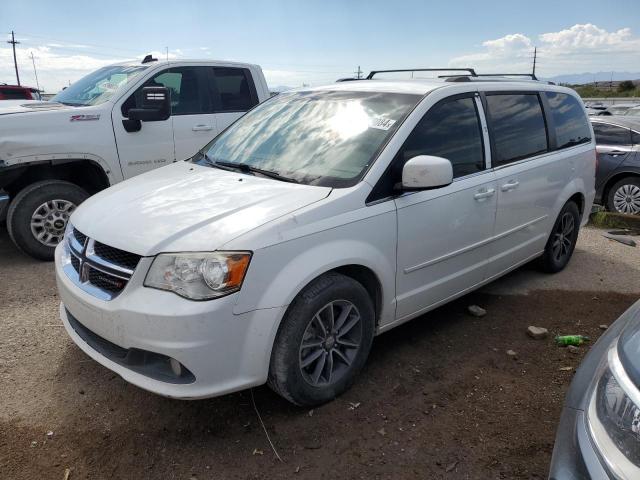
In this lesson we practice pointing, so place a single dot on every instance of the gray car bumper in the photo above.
(574, 457)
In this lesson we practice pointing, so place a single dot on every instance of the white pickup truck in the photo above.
(111, 125)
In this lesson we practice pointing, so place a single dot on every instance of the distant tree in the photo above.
(626, 86)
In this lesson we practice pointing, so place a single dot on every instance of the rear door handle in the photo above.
(484, 194)
(202, 128)
(510, 185)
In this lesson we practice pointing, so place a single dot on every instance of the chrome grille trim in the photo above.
(87, 264)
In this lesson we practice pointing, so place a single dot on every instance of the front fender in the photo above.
(278, 273)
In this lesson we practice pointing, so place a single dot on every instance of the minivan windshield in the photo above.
(324, 138)
(99, 86)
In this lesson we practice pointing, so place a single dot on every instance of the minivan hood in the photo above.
(187, 207)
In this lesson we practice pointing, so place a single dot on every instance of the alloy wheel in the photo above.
(49, 221)
(563, 237)
(330, 343)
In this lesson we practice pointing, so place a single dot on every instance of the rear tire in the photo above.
(323, 341)
(562, 240)
(38, 215)
(624, 196)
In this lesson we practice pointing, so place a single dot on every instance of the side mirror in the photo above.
(156, 106)
(424, 172)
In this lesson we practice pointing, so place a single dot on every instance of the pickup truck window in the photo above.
(235, 89)
(189, 92)
(326, 138)
(99, 86)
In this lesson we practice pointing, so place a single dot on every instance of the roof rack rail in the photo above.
(531, 75)
(470, 71)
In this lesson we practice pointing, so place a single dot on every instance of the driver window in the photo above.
(451, 130)
(189, 96)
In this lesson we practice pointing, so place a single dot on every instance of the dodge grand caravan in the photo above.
(323, 217)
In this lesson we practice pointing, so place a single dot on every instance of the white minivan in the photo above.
(321, 218)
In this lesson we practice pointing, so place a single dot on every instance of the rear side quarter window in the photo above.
(570, 122)
(234, 89)
(517, 125)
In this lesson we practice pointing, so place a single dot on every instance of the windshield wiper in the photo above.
(246, 168)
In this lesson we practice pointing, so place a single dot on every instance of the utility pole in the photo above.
(34, 71)
(358, 73)
(15, 62)
(535, 57)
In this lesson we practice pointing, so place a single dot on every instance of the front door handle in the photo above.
(202, 128)
(510, 185)
(484, 193)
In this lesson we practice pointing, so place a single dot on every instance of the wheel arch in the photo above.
(89, 174)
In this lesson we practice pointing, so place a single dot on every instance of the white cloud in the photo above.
(580, 48)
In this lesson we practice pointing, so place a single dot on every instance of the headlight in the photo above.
(199, 276)
(614, 417)
(619, 416)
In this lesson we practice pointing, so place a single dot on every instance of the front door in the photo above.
(613, 146)
(444, 234)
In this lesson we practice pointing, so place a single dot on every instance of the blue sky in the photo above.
(319, 41)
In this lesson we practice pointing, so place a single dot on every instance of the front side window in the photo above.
(326, 138)
(450, 130)
(571, 124)
(99, 86)
(517, 125)
(235, 89)
(611, 135)
(187, 86)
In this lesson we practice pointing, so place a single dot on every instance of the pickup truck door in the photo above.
(151, 146)
(226, 93)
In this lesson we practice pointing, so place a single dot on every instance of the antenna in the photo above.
(535, 57)
(359, 73)
(167, 50)
(15, 62)
(35, 72)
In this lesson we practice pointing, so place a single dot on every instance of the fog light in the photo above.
(175, 367)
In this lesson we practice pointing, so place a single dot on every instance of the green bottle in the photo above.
(576, 340)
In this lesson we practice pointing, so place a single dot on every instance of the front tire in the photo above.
(323, 341)
(562, 240)
(38, 216)
(624, 196)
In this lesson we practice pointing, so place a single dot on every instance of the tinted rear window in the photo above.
(518, 126)
(571, 123)
(611, 135)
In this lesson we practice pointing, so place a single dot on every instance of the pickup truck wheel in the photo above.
(38, 215)
(624, 196)
(562, 240)
(323, 341)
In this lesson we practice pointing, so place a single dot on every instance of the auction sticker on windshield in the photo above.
(382, 123)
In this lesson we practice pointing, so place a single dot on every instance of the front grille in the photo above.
(99, 269)
(117, 256)
(80, 237)
(105, 281)
(75, 263)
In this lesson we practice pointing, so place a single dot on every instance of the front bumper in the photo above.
(224, 352)
(575, 455)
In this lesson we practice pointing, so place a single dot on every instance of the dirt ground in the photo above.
(439, 398)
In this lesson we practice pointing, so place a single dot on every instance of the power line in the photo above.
(13, 42)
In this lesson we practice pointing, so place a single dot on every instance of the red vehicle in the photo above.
(16, 92)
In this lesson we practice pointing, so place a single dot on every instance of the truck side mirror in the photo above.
(156, 107)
